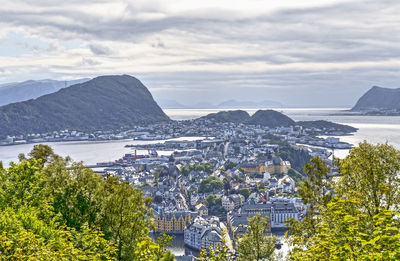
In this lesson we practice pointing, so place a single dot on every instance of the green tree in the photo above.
(53, 211)
(372, 171)
(125, 216)
(359, 221)
(215, 206)
(210, 184)
(29, 227)
(219, 253)
(245, 192)
(255, 244)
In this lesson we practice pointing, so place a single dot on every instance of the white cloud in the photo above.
(257, 45)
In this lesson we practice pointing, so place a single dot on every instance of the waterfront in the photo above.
(90, 152)
(375, 129)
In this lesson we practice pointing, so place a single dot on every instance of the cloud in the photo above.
(283, 49)
(99, 49)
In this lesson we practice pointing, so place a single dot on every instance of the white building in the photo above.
(203, 233)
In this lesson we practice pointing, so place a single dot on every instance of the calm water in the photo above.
(90, 152)
(375, 129)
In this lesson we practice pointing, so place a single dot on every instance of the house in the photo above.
(204, 233)
(202, 210)
(173, 222)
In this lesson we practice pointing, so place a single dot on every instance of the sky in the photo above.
(308, 53)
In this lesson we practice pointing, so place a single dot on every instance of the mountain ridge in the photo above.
(103, 103)
(32, 89)
(378, 98)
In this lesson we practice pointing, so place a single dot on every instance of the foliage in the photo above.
(238, 178)
(210, 184)
(321, 124)
(53, 211)
(219, 253)
(206, 167)
(255, 244)
(298, 158)
(245, 192)
(359, 221)
(373, 172)
(148, 250)
(230, 165)
(215, 206)
(297, 177)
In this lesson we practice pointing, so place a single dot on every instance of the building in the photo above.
(274, 166)
(232, 202)
(173, 222)
(204, 233)
(202, 210)
(278, 212)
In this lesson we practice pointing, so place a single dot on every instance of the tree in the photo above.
(215, 206)
(255, 244)
(210, 184)
(245, 192)
(206, 167)
(219, 253)
(372, 171)
(54, 211)
(148, 250)
(125, 216)
(297, 177)
(342, 235)
(316, 194)
(29, 227)
(357, 222)
(230, 165)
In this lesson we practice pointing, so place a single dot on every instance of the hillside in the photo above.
(104, 103)
(321, 124)
(23, 91)
(237, 116)
(270, 118)
(378, 98)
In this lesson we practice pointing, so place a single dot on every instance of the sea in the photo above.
(374, 129)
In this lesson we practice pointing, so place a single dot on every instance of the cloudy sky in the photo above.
(301, 53)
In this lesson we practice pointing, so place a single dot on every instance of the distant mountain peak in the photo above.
(103, 103)
(32, 89)
(379, 98)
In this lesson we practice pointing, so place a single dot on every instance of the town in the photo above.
(216, 178)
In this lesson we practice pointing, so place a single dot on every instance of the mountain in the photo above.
(270, 118)
(378, 98)
(23, 91)
(228, 116)
(321, 124)
(104, 103)
(249, 104)
(170, 104)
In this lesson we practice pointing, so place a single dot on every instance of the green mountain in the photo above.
(237, 116)
(104, 103)
(270, 118)
(378, 98)
(321, 124)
